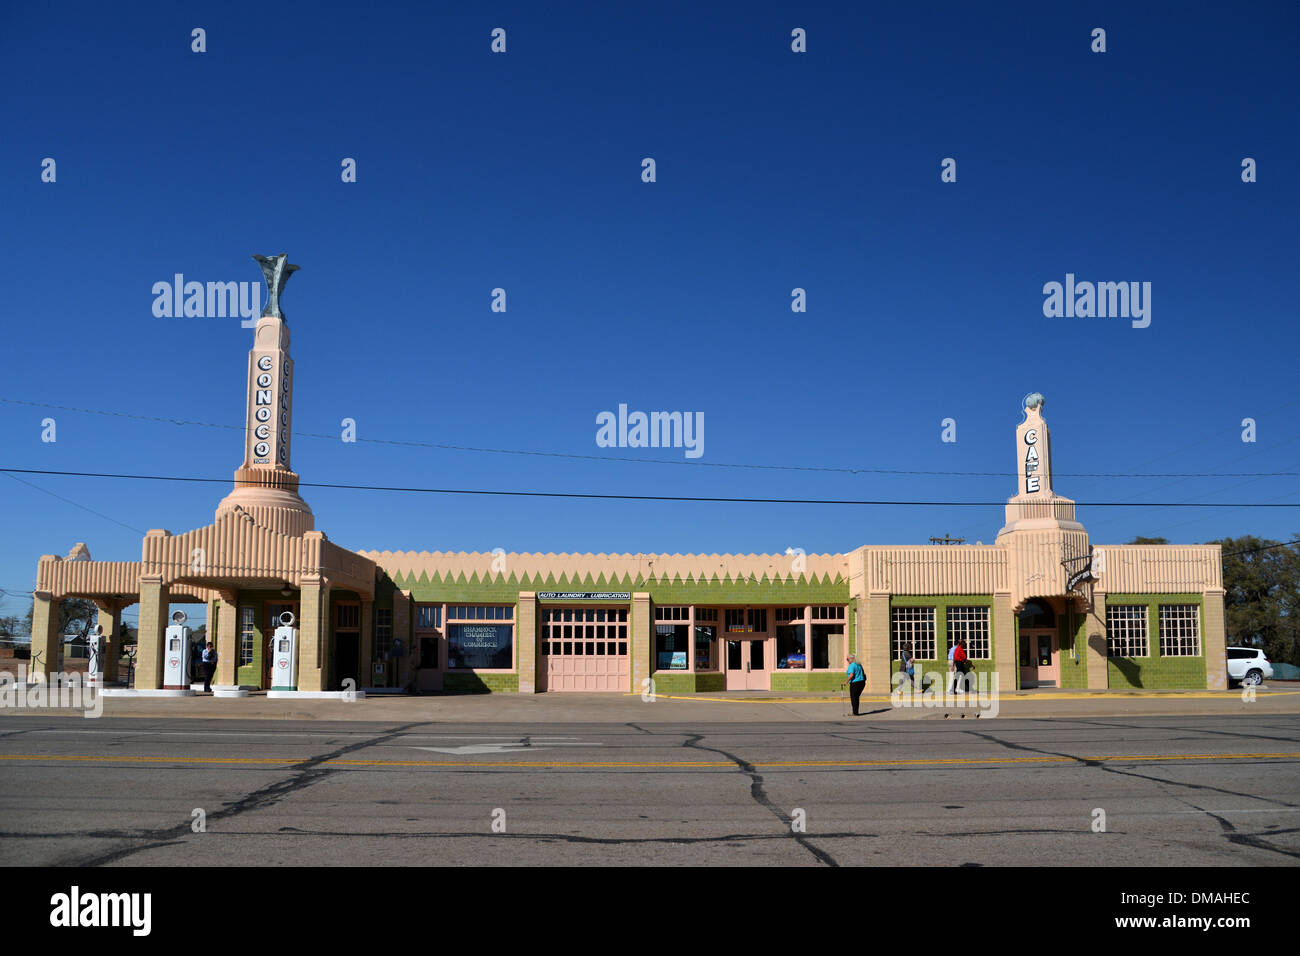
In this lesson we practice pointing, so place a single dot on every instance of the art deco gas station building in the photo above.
(1042, 606)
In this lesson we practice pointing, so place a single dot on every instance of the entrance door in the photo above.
(1040, 664)
(347, 655)
(747, 665)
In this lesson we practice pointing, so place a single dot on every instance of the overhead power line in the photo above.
(661, 461)
(695, 498)
(98, 514)
(1268, 547)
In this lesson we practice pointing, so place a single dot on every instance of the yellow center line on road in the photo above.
(643, 764)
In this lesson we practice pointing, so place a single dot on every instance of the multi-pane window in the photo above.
(914, 624)
(1126, 630)
(490, 612)
(748, 620)
(828, 612)
(672, 613)
(587, 631)
(247, 634)
(971, 623)
(383, 632)
(784, 615)
(347, 617)
(428, 617)
(1180, 631)
(706, 614)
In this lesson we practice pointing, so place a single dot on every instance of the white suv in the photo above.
(1248, 665)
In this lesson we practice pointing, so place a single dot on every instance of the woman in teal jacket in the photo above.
(856, 678)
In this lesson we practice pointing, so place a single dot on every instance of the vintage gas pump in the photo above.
(284, 655)
(176, 654)
(95, 666)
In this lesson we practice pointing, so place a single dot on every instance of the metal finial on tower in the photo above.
(277, 270)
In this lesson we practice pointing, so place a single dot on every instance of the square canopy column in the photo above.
(313, 634)
(227, 628)
(45, 638)
(154, 597)
(110, 619)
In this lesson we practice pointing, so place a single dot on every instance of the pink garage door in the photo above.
(585, 648)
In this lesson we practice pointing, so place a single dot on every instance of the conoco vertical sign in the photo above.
(269, 401)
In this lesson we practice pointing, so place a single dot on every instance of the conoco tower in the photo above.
(266, 488)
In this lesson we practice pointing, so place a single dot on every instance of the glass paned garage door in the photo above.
(585, 648)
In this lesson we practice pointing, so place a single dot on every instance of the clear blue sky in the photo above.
(775, 170)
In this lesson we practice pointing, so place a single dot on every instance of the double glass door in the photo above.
(747, 667)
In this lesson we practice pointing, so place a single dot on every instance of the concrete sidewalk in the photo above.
(738, 707)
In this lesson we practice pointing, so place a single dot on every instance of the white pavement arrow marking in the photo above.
(498, 748)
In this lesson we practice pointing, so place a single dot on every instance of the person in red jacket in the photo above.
(962, 663)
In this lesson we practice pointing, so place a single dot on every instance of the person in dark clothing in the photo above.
(907, 663)
(209, 666)
(856, 678)
(962, 663)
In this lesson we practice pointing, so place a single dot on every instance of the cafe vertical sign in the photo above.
(1035, 450)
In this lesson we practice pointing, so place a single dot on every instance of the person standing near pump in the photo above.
(209, 666)
(856, 678)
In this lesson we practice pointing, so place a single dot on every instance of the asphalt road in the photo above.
(1221, 791)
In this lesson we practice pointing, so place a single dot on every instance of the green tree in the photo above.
(76, 615)
(1141, 540)
(1261, 581)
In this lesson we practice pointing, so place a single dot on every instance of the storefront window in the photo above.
(705, 644)
(671, 650)
(791, 654)
(821, 643)
(474, 643)
(480, 645)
